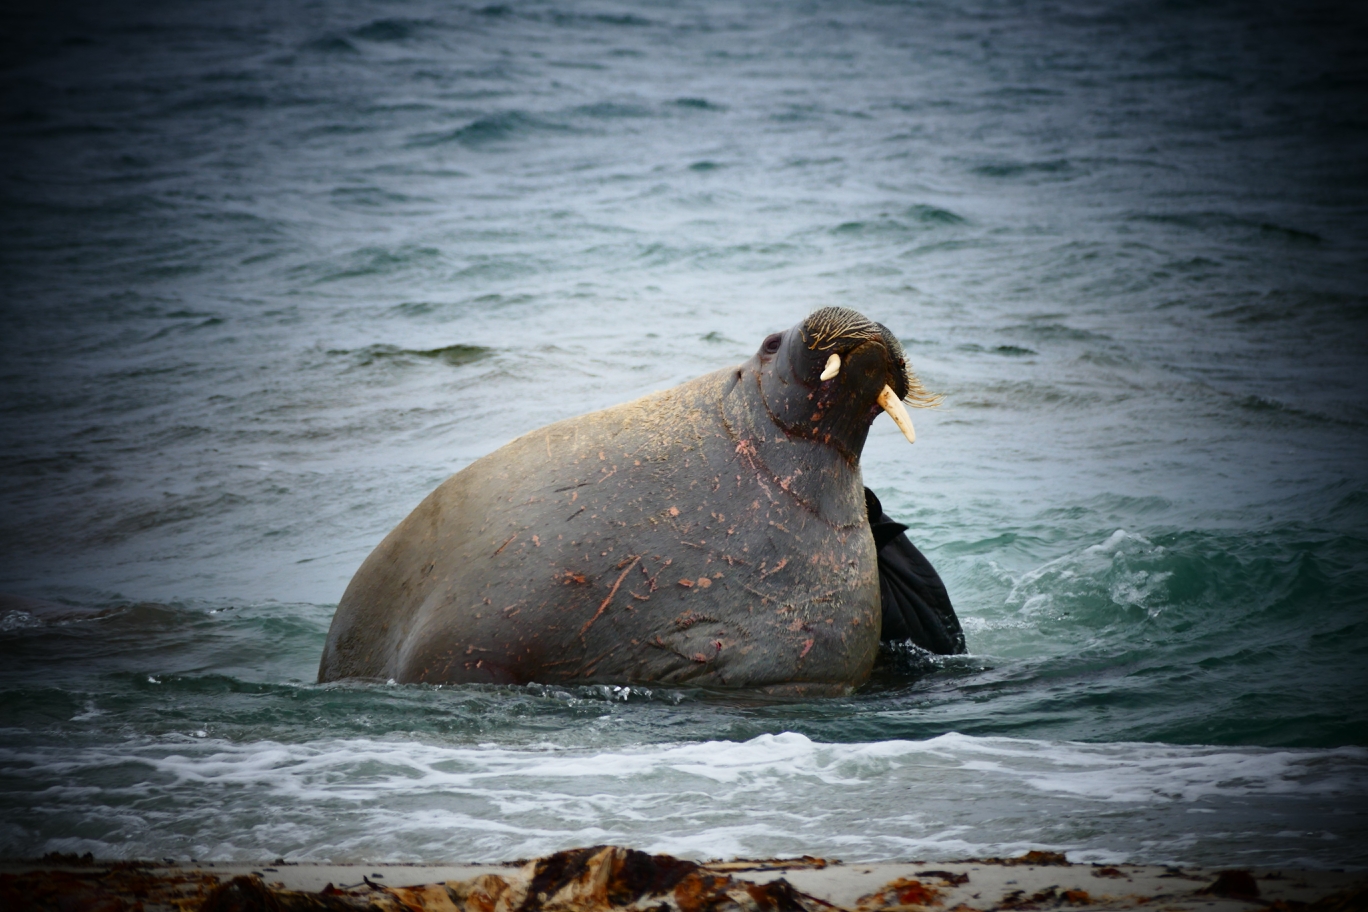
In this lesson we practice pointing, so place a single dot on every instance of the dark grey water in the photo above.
(270, 274)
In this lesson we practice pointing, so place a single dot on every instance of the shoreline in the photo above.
(609, 878)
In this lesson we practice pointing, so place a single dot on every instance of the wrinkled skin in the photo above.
(712, 534)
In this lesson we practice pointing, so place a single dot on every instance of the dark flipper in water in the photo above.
(916, 606)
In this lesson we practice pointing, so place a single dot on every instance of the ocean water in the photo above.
(269, 273)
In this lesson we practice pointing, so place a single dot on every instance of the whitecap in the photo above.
(946, 797)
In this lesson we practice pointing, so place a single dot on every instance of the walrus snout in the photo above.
(830, 376)
(847, 403)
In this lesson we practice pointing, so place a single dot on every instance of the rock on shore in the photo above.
(611, 878)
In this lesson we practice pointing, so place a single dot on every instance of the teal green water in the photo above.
(267, 277)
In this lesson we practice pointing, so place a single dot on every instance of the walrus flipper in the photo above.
(916, 606)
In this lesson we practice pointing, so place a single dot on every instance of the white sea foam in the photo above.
(1113, 573)
(17, 620)
(949, 796)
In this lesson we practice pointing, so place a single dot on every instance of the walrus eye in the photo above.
(772, 343)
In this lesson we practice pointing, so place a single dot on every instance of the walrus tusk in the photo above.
(833, 367)
(889, 402)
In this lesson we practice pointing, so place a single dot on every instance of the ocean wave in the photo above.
(1122, 571)
(1012, 169)
(492, 131)
(391, 29)
(455, 355)
(398, 799)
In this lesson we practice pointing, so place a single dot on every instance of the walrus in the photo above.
(714, 534)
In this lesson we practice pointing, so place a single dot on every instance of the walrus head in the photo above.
(828, 378)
